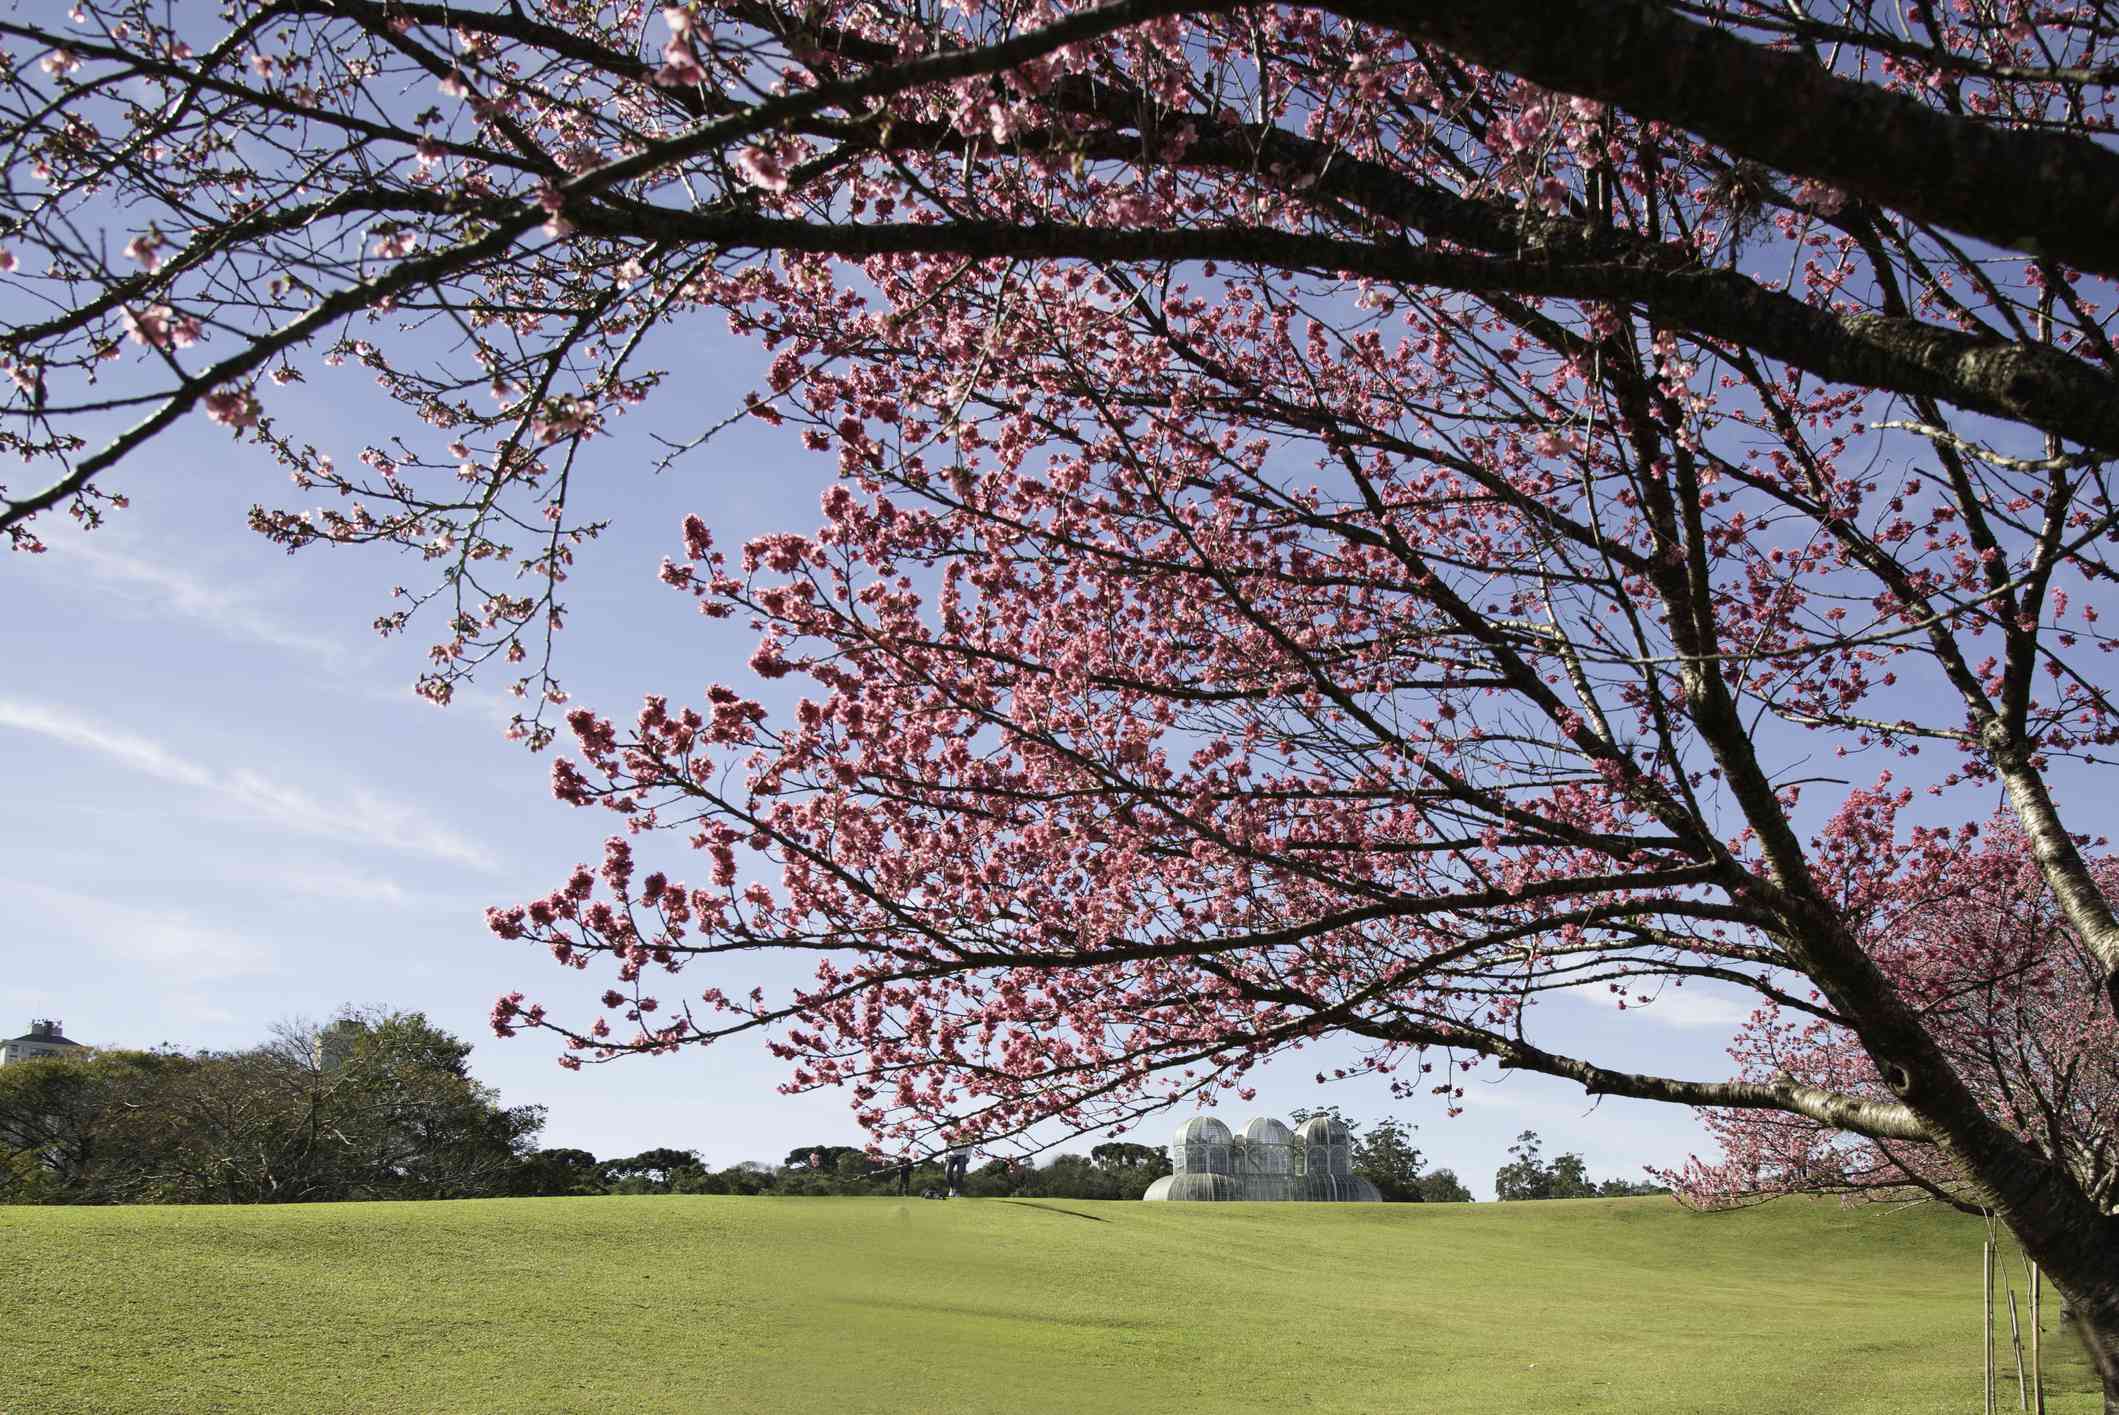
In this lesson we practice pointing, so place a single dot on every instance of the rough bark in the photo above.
(2053, 195)
(2085, 906)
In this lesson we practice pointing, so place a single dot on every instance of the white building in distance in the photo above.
(44, 1039)
(1265, 1162)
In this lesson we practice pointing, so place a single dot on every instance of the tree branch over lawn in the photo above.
(1356, 524)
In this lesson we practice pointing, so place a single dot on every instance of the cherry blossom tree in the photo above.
(1349, 518)
(1970, 935)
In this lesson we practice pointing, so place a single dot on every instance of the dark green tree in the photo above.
(652, 1171)
(1629, 1188)
(1385, 1157)
(1570, 1178)
(1120, 1156)
(558, 1172)
(1526, 1175)
(1441, 1186)
(826, 1158)
(81, 1127)
(373, 1104)
(1529, 1176)
(382, 1104)
(749, 1177)
(995, 1179)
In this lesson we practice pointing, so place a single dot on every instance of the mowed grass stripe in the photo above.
(727, 1304)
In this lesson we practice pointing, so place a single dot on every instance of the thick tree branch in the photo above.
(2027, 383)
(2049, 194)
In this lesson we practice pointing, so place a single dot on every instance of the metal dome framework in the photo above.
(1264, 1162)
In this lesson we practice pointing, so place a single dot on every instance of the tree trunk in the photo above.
(2096, 1321)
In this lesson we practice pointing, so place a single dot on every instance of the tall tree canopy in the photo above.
(373, 1105)
(1350, 517)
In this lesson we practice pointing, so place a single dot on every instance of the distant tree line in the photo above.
(382, 1105)
(1528, 1175)
(372, 1105)
(1115, 1169)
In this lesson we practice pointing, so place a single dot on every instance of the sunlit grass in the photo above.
(697, 1304)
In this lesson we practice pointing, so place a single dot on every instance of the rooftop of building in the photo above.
(46, 1030)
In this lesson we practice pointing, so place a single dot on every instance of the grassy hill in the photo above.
(828, 1305)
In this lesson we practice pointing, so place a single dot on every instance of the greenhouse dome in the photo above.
(1264, 1162)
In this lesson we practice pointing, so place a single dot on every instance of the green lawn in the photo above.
(723, 1304)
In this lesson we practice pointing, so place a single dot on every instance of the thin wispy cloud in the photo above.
(166, 943)
(129, 749)
(154, 585)
(345, 885)
(358, 816)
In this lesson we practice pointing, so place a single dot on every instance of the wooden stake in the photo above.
(1986, 1316)
(2023, 1390)
(2037, 1365)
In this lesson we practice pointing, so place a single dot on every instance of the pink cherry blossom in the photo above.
(236, 408)
(761, 168)
(160, 327)
(1965, 931)
(680, 65)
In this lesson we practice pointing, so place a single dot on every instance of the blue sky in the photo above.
(229, 809)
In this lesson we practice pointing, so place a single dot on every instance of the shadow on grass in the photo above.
(983, 1312)
(1070, 1213)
